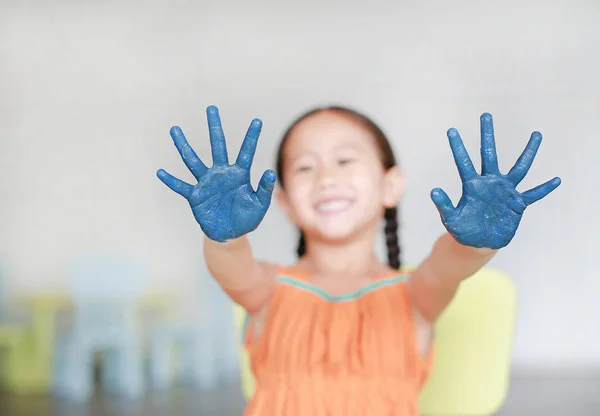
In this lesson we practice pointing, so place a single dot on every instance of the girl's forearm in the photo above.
(451, 262)
(434, 283)
(231, 263)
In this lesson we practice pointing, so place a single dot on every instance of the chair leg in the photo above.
(76, 378)
(131, 381)
(110, 371)
(228, 356)
(160, 363)
(202, 362)
(59, 368)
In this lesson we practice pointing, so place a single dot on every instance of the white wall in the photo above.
(88, 94)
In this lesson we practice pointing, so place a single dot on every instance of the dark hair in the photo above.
(387, 158)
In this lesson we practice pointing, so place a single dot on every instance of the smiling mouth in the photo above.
(333, 206)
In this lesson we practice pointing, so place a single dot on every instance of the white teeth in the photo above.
(333, 206)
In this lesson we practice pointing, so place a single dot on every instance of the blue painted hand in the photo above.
(490, 209)
(223, 201)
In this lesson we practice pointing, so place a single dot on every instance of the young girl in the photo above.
(339, 332)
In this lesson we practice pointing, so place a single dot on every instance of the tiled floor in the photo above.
(529, 396)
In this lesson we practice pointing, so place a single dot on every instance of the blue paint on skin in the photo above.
(223, 201)
(490, 209)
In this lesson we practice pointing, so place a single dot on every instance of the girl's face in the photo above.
(335, 183)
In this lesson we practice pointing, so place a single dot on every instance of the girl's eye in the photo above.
(345, 161)
(303, 168)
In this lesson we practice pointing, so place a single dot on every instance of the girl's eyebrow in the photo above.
(310, 153)
(302, 154)
(348, 146)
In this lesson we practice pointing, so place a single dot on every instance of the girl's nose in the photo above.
(327, 178)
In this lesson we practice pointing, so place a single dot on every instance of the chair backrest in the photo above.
(246, 377)
(473, 349)
(473, 346)
(105, 290)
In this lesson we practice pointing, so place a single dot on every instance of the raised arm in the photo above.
(485, 219)
(227, 208)
(433, 284)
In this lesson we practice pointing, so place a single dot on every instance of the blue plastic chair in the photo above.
(180, 352)
(196, 353)
(105, 291)
(201, 351)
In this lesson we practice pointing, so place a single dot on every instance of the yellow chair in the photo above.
(472, 354)
(473, 349)
(246, 377)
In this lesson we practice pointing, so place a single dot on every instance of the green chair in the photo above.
(11, 335)
(11, 338)
(26, 364)
(470, 376)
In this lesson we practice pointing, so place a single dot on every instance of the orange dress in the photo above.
(321, 355)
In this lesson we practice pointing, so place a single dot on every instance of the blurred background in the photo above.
(89, 90)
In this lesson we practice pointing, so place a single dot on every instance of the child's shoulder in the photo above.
(299, 270)
(293, 270)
